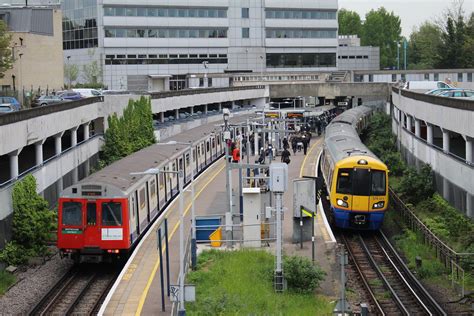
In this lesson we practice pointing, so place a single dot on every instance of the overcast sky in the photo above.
(411, 12)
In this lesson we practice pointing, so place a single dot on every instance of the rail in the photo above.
(18, 116)
(444, 253)
(177, 93)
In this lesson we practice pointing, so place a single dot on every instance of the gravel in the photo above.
(32, 285)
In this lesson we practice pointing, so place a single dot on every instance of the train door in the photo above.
(91, 229)
(360, 190)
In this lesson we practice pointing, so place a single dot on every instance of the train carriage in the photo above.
(103, 216)
(357, 181)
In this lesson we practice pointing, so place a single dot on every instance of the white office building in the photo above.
(157, 44)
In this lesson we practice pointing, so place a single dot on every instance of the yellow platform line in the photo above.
(319, 217)
(157, 263)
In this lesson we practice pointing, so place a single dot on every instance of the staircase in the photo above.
(336, 76)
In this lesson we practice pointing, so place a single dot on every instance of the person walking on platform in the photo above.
(236, 154)
(305, 143)
(286, 145)
(294, 143)
(285, 156)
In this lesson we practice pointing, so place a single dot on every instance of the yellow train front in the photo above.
(356, 180)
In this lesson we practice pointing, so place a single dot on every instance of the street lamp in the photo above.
(69, 72)
(227, 139)
(206, 66)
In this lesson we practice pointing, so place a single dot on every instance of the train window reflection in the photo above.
(72, 213)
(361, 182)
(378, 182)
(344, 182)
(111, 214)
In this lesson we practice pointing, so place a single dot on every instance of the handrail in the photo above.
(168, 94)
(433, 240)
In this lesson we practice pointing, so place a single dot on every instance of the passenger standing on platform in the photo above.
(286, 145)
(236, 155)
(294, 143)
(305, 143)
(285, 156)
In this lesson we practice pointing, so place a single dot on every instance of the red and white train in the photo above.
(103, 216)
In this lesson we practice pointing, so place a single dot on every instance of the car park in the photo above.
(49, 99)
(10, 101)
(70, 95)
(7, 108)
(87, 93)
(458, 94)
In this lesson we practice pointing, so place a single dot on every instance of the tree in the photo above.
(349, 23)
(5, 50)
(467, 59)
(71, 72)
(131, 132)
(382, 29)
(92, 72)
(424, 46)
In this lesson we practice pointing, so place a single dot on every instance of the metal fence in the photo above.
(455, 261)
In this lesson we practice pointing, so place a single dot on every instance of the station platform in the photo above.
(138, 290)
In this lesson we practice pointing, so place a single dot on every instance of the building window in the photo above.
(460, 77)
(301, 60)
(394, 77)
(167, 33)
(178, 12)
(79, 24)
(436, 77)
(245, 32)
(300, 14)
(371, 78)
(245, 13)
(427, 76)
(209, 82)
(201, 82)
(469, 77)
(301, 33)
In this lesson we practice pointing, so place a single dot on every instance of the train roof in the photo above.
(342, 139)
(118, 173)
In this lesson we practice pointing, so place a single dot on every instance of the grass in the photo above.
(240, 283)
(6, 280)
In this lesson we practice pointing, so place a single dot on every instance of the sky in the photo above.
(411, 12)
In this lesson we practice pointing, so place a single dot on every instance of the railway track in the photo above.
(79, 292)
(391, 287)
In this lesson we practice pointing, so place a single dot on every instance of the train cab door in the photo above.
(91, 229)
(361, 190)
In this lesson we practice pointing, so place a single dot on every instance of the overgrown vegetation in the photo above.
(6, 280)
(130, 132)
(241, 283)
(32, 225)
(416, 187)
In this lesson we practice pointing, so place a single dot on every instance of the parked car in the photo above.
(7, 108)
(10, 101)
(87, 93)
(458, 94)
(48, 100)
(423, 86)
(70, 95)
(438, 91)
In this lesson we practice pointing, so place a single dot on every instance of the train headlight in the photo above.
(342, 203)
(378, 204)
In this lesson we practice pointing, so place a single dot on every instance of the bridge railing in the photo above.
(444, 253)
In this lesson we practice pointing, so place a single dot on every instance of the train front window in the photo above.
(361, 182)
(72, 214)
(344, 181)
(378, 182)
(111, 214)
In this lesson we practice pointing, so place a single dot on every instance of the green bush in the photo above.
(14, 254)
(300, 273)
(395, 163)
(32, 224)
(417, 186)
